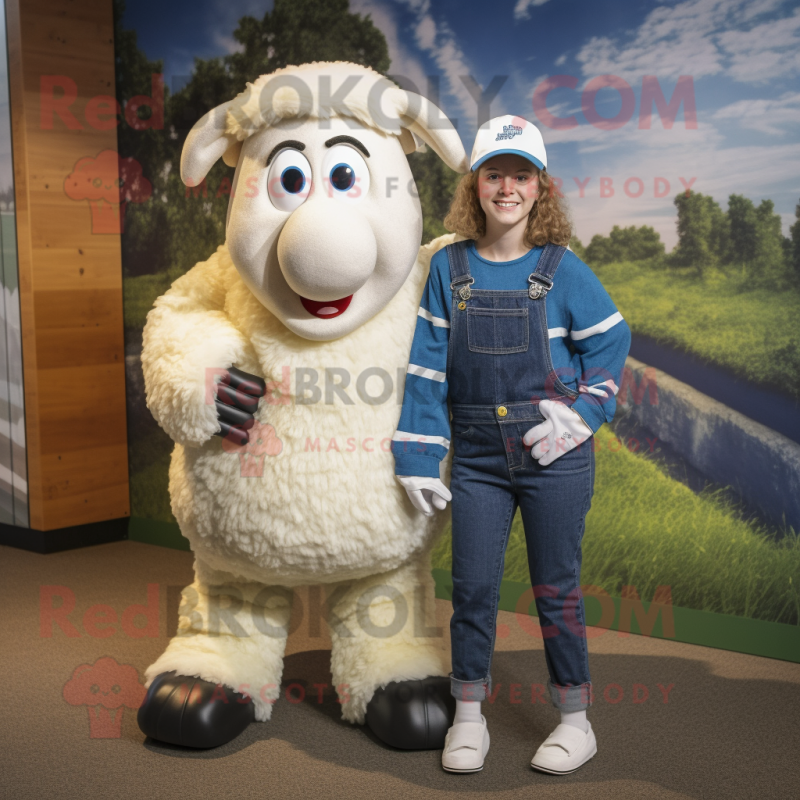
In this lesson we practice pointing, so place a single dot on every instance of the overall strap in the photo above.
(459, 268)
(541, 279)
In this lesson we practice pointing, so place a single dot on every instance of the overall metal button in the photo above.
(462, 305)
(502, 411)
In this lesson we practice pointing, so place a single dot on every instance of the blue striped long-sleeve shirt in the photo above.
(589, 342)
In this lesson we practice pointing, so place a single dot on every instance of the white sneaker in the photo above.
(565, 749)
(466, 746)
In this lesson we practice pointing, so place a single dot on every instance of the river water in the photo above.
(768, 406)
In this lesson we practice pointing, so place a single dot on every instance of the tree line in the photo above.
(743, 236)
(175, 228)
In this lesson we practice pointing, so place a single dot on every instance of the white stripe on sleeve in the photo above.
(595, 388)
(438, 322)
(403, 436)
(555, 333)
(601, 327)
(424, 372)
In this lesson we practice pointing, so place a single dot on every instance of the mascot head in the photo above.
(324, 222)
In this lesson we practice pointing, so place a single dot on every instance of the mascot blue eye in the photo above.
(343, 177)
(293, 180)
(348, 173)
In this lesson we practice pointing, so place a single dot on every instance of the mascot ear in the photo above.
(206, 143)
(231, 155)
(410, 141)
(422, 121)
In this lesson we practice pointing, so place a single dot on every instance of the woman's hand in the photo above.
(562, 430)
(425, 492)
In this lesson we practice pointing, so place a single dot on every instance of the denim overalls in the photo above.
(498, 368)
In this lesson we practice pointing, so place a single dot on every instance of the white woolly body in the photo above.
(313, 515)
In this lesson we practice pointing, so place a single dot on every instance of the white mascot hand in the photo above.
(424, 492)
(562, 430)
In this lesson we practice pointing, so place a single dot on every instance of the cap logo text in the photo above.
(509, 131)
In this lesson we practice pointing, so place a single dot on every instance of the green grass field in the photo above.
(644, 529)
(149, 485)
(647, 530)
(139, 294)
(748, 328)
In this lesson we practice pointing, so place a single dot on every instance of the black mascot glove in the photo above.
(236, 401)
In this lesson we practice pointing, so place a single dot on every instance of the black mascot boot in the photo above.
(413, 715)
(193, 712)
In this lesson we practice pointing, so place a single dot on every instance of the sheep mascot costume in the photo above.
(301, 322)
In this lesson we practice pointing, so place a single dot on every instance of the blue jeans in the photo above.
(492, 474)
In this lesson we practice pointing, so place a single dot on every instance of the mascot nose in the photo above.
(327, 250)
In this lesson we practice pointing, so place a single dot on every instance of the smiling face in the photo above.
(507, 185)
(324, 224)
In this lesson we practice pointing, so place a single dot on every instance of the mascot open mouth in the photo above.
(325, 309)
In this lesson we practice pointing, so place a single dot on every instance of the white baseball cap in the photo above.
(508, 134)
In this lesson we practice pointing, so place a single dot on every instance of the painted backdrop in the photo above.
(672, 131)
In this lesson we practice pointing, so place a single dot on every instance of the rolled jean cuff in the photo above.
(571, 698)
(470, 690)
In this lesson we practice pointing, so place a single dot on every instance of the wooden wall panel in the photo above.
(70, 277)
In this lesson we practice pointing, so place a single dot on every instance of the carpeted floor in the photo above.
(728, 729)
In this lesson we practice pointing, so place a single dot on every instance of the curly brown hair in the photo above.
(548, 220)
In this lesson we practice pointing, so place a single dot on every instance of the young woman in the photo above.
(518, 334)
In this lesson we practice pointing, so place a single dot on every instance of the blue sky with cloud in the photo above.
(743, 57)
